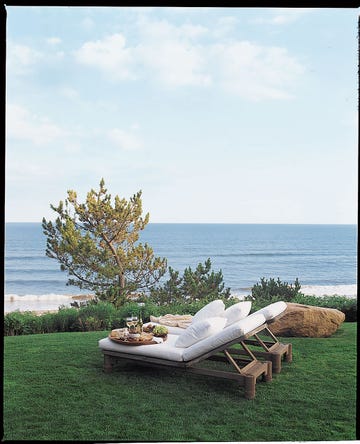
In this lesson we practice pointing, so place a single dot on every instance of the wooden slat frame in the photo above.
(274, 350)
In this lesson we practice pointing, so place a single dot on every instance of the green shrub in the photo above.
(16, 323)
(202, 284)
(48, 322)
(93, 324)
(101, 313)
(270, 289)
(66, 319)
(25, 323)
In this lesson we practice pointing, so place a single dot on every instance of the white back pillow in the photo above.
(237, 312)
(199, 331)
(212, 309)
(273, 310)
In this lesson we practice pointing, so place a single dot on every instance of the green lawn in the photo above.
(55, 389)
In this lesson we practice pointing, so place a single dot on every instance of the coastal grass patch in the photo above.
(55, 389)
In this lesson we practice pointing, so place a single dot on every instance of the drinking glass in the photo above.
(129, 321)
(134, 323)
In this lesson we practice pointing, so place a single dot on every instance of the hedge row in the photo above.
(91, 317)
(104, 315)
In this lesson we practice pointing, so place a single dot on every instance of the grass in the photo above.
(55, 389)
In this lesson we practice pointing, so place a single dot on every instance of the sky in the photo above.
(218, 115)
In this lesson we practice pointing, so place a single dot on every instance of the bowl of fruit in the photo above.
(160, 331)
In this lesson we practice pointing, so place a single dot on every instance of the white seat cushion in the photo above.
(237, 312)
(200, 330)
(212, 309)
(234, 331)
(165, 350)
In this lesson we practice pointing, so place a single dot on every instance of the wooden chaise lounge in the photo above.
(264, 344)
(227, 344)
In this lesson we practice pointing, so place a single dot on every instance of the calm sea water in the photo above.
(323, 257)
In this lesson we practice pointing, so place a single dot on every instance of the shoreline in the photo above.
(41, 304)
(50, 303)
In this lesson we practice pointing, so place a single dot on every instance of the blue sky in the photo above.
(229, 115)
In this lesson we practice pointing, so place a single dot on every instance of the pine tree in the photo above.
(96, 242)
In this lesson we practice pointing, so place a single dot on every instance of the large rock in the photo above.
(307, 321)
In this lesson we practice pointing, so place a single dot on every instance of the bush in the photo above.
(271, 290)
(202, 284)
(16, 323)
(101, 314)
(66, 319)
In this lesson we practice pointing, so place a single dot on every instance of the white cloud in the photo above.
(224, 26)
(53, 40)
(178, 56)
(173, 53)
(166, 52)
(175, 63)
(87, 23)
(157, 30)
(125, 140)
(256, 72)
(69, 92)
(21, 58)
(109, 55)
(283, 16)
(22, 125)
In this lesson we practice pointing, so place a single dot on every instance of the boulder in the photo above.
(300, 320)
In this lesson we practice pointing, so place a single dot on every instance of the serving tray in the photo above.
(145, 340)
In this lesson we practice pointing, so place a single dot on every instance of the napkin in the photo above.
(158, 340)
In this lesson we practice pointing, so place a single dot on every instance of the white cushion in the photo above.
(236, 330)
(237, 312)
(168, 351)
(212, 309)
(273, 310)
(165, 350)
(200, 330)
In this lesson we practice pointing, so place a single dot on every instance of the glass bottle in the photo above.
(140, 323)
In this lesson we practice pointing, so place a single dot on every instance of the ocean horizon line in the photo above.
(218, 223)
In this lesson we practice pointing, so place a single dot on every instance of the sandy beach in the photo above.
(39, 304)
(50, 303)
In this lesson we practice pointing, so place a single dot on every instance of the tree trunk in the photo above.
(121, 282)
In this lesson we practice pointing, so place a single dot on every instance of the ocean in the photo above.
(322, 257)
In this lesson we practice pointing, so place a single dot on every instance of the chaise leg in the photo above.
(268, 374)
(250, 382)
(276, 362)
(108, 366)
(288, 356)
